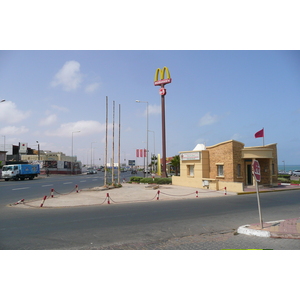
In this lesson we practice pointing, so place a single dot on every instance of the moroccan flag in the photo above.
(259, 134)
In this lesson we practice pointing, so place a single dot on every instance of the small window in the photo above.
(239, 170)
(220, 170)
(190, 170)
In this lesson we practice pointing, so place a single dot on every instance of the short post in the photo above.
(52, 192)
(225, 189)
(158, 192)
(42, 203)
(196, 194)
(76, 188)
(107, 196)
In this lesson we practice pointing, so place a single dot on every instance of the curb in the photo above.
(248, 231)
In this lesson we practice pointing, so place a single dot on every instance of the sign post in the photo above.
(162, 91)
(257, 178)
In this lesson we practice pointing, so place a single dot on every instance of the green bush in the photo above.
(284, 179)
(150, 180)
(163, 180)
(147, 180)
(135, 178)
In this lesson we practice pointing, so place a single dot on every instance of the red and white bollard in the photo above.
(20, 201)
(196, 194)
(52, 193)
(76, 188)
(158, 192)
(45, 197)
(107, 196)
(225, 190)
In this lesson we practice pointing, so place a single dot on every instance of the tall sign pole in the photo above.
(162, 91)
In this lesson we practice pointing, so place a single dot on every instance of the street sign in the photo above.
(162, 91)
(256, 170)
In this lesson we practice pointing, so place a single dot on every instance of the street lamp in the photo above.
(138, 101)
(72, 152)
(92, 153)
(154, 146)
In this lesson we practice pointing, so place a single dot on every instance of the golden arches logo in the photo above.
(162, 72)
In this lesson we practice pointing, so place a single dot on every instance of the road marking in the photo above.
(94, 179)
(83, 181)
(67, 182)
(47, 185)
(23, 188)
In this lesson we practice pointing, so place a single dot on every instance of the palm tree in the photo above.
(175, 163)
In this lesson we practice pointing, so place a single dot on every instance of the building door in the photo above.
(249, 177)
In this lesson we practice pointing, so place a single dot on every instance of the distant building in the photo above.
(227, 164)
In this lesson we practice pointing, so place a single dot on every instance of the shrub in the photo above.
(135, 178)
(163, 180)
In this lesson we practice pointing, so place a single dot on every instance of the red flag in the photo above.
(259, 134)
(145, 153)
(141, 153)
(137, 153)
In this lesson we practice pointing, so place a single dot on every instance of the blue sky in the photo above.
(214, 96)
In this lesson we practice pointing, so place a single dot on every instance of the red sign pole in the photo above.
(257, 177)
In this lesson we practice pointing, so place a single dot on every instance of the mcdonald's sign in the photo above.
(162, 72)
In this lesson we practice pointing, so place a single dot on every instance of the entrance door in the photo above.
(249, 179)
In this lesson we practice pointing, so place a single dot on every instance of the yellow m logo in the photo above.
(162, 72)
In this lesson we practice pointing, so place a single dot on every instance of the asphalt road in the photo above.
(142, 225)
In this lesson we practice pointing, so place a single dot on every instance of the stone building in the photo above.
(227, 164)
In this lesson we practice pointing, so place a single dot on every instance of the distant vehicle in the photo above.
(17, 172)
(296, 173)
(91, 171)
(133, 172)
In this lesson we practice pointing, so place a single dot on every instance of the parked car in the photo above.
(133, 172)
(296, 173)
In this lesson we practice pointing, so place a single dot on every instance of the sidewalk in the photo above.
(128, 193)
(287, 229)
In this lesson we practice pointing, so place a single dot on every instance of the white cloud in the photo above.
(13, 130)
(48, 120)
(154, 109)
(92, 87)
(69, 76)
(85, 128)
(10, 114)
(59, 108)
(208, 119)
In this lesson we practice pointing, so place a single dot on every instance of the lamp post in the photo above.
(154, 146)
(138, 101)
(72, 153)
(92, 153)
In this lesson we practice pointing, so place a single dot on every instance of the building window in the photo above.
(190, 170)
(220, 169)
(239, 170)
